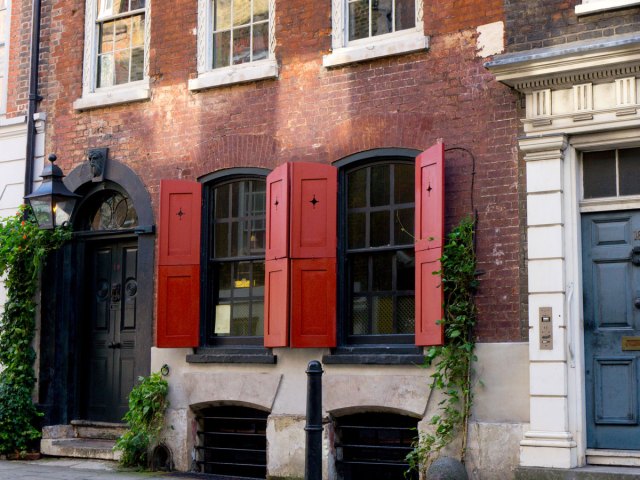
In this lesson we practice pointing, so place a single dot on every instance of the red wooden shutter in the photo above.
(278, 213)
(313, 302)
(178, 314)
(276, 303)
(429, 226)
(313, 210)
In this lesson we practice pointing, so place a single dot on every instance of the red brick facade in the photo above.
(309, 113)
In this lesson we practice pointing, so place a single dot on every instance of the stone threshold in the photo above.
(590, 472)
(626, 458)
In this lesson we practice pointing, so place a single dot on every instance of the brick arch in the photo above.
(242, 150)
(368, 132)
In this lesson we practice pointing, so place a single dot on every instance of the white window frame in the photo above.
(593, 6)
(4, 81)
(345, 51)
(209, 77)
(93, 97)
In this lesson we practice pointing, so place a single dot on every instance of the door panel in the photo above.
(112, 274)
(611, 284)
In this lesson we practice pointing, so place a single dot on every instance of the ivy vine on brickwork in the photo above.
(452, 362)
(23, 249)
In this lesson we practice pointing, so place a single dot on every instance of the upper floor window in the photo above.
(4, 52)
(120, 25)
(236, 42)
(235, 261)
(367, 29)
(116, 46)
(379, 258)
(593, 6)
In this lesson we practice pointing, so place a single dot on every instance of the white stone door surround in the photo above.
(579, 97)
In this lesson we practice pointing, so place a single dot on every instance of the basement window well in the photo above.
(374, 446)
(232, 441)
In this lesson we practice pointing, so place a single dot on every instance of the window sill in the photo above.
(601, 5)
(133, 92)
(398, 44)
(233, 355)
(246, 72)
(375, 356)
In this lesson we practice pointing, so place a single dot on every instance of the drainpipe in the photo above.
(34, 98)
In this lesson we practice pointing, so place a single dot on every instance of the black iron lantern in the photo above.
(52, 203)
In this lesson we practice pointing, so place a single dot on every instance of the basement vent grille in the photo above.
(374, 446)
(232, 441)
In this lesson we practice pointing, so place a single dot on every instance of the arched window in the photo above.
(110, 209)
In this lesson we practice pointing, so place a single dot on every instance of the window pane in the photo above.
(599, 174)
(120, 6)
(380, 185)
(358, 19)
(258, 278)
(405, 268)
(137, 4)
(122, 28)
(357, 185)
(260, 41)
(241, 12)
(382, 315)
(137, 31)
(403, 227)
(382, 272)
(105, 70)
(221, 240)
(382, 17)
(137, 64)
(224, 280)
(235, 230)
(406, 314)
(356, 228)
(222, 202)
(105, 44)
(241, 45)
(405, 14)
(235, 199)
(122, 66)
(359, 316)
(629, 166)
(379, 229)
(242, 280)
(221, 46)
(222, 15)
(260, 10)
(359, 273)
(241, 321)
(403, 183)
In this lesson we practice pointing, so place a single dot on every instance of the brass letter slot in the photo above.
(630, 343)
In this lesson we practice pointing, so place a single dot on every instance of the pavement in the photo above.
(78, 469)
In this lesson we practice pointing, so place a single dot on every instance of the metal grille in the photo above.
(374, 446)
(232, 441)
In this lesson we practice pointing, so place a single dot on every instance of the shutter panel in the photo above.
(313, 302)
(430, 198)
(278, 213)
(429, 226)
(429, 299)
(276, 303)
(178, 313)
(313, 210)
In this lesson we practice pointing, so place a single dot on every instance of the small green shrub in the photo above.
(23, 249)
(145, 418)
(453, 360)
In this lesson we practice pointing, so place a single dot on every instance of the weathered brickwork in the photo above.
(314, 114)
(543, 23)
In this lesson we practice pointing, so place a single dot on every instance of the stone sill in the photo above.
(233, 355)
(394, 45)
(245, 72)
(373, 359)
(602, 5)
(133, 92)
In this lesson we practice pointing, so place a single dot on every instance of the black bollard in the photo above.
(313, 428)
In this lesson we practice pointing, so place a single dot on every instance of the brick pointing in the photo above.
(314, 114)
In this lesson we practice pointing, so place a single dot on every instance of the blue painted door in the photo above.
(611, 293)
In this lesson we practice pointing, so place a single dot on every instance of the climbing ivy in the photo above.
(23, 249)
(452, 361)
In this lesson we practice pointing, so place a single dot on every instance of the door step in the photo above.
(627, 458)
(590, 472)
(82, 439)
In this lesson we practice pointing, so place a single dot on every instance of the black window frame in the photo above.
(364, 344)
(208, 300)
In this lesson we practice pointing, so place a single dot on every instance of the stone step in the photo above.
(99, 449)
(100, 430)
(590, 472)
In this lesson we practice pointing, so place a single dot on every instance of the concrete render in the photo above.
(75, 469)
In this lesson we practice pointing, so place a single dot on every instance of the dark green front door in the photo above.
(611, 285)
(110, 329)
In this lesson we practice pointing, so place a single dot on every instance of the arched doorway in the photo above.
(97, 310)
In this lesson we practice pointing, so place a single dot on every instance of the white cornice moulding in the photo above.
(593, 6)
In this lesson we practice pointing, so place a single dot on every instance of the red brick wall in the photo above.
(314, 114)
